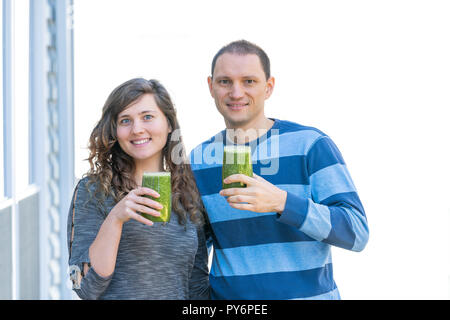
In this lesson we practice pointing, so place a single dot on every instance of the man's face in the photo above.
(239, 88)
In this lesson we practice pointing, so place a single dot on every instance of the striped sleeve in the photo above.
(334, 214)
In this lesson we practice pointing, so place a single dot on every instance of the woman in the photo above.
(114, 252)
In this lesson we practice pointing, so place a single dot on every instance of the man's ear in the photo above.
(270, 84)
(210, 83)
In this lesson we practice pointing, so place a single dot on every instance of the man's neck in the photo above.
(248, 132)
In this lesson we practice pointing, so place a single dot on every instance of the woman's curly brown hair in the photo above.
(113, 170)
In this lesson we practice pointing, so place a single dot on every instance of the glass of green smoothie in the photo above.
(236, 159)
(161, 183)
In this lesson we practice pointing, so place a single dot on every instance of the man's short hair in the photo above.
(243, 47)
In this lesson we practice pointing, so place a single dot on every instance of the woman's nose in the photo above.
(137, 127)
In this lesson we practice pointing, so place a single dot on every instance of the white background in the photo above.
(374, 75)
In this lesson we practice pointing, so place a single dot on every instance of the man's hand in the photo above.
(259, 195)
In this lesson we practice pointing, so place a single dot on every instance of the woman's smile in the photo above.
(141, 142)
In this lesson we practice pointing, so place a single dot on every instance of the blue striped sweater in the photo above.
(287, 256)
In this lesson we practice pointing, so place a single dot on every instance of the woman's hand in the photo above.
(135, 202)
(103, 251)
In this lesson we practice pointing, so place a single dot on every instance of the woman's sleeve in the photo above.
(199, 281)
(84, 221)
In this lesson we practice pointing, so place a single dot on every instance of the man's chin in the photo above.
(236, 122)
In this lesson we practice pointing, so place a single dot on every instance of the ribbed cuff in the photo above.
(295, 210)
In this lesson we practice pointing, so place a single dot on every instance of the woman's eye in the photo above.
(148, 117)
(124, 121)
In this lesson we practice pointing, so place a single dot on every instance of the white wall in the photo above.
(374, 75)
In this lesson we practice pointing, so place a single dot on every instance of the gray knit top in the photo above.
(163, 261)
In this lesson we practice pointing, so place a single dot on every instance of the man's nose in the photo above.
(236, 91)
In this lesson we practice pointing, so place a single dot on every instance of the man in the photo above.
(272, 239)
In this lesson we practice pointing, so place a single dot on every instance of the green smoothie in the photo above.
(236, 159)
(160, 182)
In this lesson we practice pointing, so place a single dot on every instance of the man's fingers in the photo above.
(236, 191)
(242, 206)
(255, 176)
(239, 178)
(240, 199)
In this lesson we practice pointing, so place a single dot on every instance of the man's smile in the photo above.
(237, 106)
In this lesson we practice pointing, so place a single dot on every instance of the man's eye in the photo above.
(249, 81)
(224, 81)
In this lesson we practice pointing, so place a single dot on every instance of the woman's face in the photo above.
(142, 130)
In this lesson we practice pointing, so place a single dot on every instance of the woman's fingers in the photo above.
(138, 196)
(150, 203)
(141, 191)
(136, 207)
(140, 218)
(132, 213)
(136, 203)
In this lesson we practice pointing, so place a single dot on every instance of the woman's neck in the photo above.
(148, 166)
